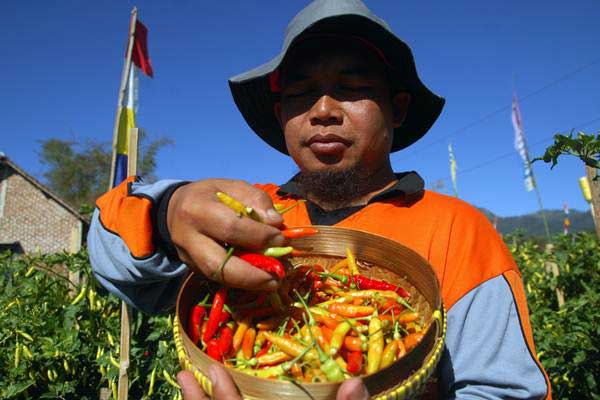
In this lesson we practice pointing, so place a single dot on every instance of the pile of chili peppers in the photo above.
(321, 325)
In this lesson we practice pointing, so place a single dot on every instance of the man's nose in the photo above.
(326, 111)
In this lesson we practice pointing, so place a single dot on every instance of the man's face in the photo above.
(337, 110)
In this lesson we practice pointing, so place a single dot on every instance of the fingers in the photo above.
(224, 225)
(223, 386)
(190, 388)
(207, 256)
(252, 197)
(352, 389)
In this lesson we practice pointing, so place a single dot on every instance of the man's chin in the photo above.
(335, 184)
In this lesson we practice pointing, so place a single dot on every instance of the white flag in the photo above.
(520, 145)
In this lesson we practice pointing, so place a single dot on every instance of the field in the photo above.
(60, 340)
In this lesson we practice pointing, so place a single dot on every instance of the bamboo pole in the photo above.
(125, 309)
(122, 89)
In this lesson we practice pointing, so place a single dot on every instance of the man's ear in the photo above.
(400, 103)
(277, 111)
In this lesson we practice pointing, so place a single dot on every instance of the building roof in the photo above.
(4, 160)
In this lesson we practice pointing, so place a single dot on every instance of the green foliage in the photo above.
(79, 172)
(567, 338)
(55, 345)
(585, 147)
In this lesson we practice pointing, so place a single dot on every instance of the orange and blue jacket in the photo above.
(489, 351)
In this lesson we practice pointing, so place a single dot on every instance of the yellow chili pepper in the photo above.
(389, 353)
(339, 265)
(237, 206)
(290, 346)
(351, 262)
(337, 338)
(169, 379)
(375, 346)
(17, 354)
(152, 380)
(79, 296)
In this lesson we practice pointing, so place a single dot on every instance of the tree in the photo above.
(79, 172)
(585, 147)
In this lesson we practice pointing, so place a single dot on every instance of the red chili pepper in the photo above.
(225, 339)
(266, 263)
(224, 317)
(293, 233)
(212, 349)
(194, 323)
(355, 360)
(215, 316)
(364, 283)
(264, 349)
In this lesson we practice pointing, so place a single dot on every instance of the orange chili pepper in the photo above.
(238, 337)
(297, 372)
(405, 318)
(348, 310)
(354, 343)
(272, 359)
(248, 343)
(411, 340)
(292, 233)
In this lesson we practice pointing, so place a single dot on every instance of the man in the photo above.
(341, 96)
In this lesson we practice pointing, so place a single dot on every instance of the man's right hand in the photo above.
(200, 225)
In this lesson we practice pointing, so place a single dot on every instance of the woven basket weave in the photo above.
(379, 258)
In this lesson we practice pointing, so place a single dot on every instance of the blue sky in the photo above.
(61, 64)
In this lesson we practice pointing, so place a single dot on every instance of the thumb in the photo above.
(352, 389)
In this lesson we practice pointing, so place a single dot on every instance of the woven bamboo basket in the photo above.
(379, 258)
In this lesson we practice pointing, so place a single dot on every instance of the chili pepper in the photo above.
(375, 348)
(238, 206)
(355, 360)
(170, 379)
(152, 380)
(238, 337)
(327, 333)
(213, 350)
(215, 316)
(364, 283)
(351, 262)
(277, 251)
(354, 343)
(329, 366)
(273, 359)
(297, 372)
(266, 263)
(411, 340)
(405, 318)
(248, 343)
(265, 349)
(389, 353)
(339, 265)
(391, 306)
(289, 346)
(293, 233)
(80, 296)
(277, 370)
(17, 354)
(194, 323)
(327, 321)
(286, 209)
(225, 339)
(349, 310)
(275, 301)
(337, 338)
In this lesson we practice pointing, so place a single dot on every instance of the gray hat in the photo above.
(254, 97)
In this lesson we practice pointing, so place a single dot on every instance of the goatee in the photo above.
(335, 189)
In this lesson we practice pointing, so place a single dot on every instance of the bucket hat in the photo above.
(255, 94)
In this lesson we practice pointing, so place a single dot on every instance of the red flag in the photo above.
(139, 54)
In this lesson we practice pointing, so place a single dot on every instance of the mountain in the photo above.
(531, 224)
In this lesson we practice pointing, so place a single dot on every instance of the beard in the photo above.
(335, 189)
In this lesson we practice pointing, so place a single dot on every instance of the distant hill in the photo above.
(532, 224)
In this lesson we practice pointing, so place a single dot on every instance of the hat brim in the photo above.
(252, 93)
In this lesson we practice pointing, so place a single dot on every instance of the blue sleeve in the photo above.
(150, 283)
(486, 355)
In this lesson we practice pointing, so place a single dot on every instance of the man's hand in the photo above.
(225, 389)
(200, 225)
